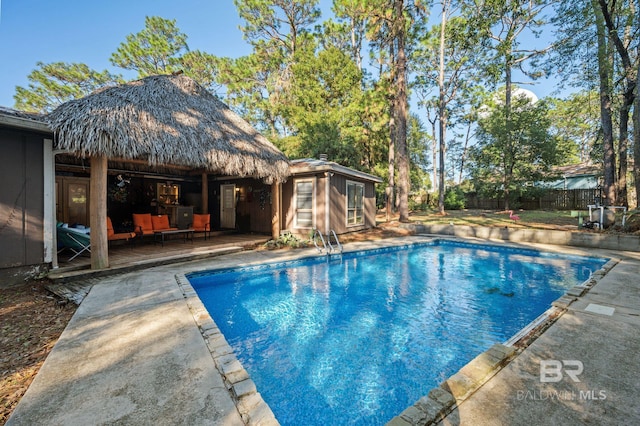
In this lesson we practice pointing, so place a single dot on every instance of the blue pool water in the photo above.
(357, 340)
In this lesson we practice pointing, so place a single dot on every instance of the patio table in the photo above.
(186, 233)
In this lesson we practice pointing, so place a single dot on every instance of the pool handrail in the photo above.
(315, 241)
(333, 232)
(327, 247)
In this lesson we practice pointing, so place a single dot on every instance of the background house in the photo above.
(324, 195)
(575, 176)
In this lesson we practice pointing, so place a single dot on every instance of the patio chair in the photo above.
(147, 224)
(113, 236)
(201, 223)
(76, 240)
(161, 223)
(142, 224)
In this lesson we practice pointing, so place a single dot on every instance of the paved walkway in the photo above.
(133, 354)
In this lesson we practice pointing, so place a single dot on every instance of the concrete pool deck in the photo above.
(133, 353)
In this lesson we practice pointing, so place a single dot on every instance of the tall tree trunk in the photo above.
(401, 93)
(636, 123)
(623, 146)
(506, 181)
(464, 152)
(442, 172)
(273, 129)
(628, 94)
(609, 163)
(442, 110)
(434, 155)
(391, 190)
(636, 134)
(355, 44)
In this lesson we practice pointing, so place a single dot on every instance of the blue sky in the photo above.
(89, 31)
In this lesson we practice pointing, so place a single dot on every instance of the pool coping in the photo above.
(243, 391)
(430, 408)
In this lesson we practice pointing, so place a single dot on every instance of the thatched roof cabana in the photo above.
(166, 119)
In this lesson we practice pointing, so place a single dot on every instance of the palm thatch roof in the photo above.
(166, 120)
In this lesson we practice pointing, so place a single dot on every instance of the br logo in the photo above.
(552, 370)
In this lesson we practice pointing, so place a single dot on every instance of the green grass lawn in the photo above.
(530, 219)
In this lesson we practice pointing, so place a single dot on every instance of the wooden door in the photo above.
(72, 200)
(228, 206)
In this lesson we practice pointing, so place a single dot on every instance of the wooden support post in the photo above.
(205, 193)
(98, 213)
(275, 210)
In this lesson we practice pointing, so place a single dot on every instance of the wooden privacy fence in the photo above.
(561, 199)
(553, 199)
(473, 201)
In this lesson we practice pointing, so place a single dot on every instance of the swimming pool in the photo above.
(357, 339)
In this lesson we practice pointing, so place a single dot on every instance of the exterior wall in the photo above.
(288, 206)
(338, 211)
(337, 208)
(322, 206)
(21, 200)
(253, 206)
(339, 204)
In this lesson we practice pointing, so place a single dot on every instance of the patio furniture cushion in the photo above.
(201, 223)
(161, 223)
(142, 223)
(111, 233)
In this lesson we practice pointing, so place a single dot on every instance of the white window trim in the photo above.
(313, 202)
(346, 205)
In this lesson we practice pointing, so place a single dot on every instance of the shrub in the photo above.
(633, 221)
(454, 199)
(286, 240)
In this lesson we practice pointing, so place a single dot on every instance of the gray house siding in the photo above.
(21, 200)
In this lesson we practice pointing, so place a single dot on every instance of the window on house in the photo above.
(304, 203)
(355, 203)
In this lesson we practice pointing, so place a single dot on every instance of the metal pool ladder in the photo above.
(327, 247)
